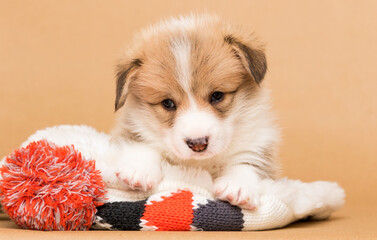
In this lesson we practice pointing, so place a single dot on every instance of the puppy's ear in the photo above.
(124, 73)
(252, 58)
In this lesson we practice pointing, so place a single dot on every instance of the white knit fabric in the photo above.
(272, 213)
(281, 202)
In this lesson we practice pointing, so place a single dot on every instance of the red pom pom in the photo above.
(46, 187)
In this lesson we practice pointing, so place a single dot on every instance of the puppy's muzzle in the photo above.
(197, 144)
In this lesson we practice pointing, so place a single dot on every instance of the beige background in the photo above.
(57, 63)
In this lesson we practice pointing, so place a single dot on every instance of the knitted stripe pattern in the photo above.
(183, 210)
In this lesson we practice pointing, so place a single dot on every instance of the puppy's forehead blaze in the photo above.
(205, 63)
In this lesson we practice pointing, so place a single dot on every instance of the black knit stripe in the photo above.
(122, 215)
(218, 216)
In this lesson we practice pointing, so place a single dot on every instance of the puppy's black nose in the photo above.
(197, 144)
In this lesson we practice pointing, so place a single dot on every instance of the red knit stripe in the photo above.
(173, 213)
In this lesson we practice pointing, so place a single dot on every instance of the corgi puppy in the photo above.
(190, 91)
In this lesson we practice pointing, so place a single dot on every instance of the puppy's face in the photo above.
(186, 89)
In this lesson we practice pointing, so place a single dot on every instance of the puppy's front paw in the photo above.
(140, 177)
(236, 192)
(140, 167)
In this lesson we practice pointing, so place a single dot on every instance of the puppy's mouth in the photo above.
(197, 155)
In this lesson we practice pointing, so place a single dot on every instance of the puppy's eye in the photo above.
(217, 97)
(169, 104)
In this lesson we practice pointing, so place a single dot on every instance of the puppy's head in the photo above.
(186, 82)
